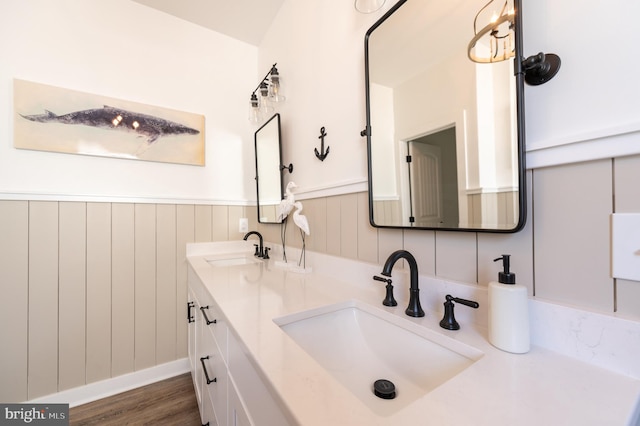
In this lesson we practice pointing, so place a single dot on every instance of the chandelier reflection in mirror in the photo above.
(265, 96)
(495, 41)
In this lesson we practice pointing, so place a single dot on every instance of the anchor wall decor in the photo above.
(322, 154)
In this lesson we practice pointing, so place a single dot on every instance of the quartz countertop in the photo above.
(540, 387)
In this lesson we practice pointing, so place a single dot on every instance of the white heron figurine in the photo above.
(301, 222)
(286, 205)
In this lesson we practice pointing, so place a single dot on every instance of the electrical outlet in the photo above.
(243, 226)
(625, 246)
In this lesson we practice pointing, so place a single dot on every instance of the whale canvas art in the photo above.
(49, 118)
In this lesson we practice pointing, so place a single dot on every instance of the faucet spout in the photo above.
(414, 309)
(261, 250)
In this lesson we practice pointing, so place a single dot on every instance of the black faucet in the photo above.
(260, 251)
(414, 309)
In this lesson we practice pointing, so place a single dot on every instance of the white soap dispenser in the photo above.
(508, 312)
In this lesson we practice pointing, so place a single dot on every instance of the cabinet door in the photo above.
(237, 413)
(208, 417)
(214, 392)
(195, 329)
(192, 311)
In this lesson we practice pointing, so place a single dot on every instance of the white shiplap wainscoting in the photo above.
(96, 290)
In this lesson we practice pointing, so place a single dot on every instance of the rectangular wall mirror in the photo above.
(444, 133)
(268, 171)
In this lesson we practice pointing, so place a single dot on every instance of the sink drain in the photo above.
(384, 389)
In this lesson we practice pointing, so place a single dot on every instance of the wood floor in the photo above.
(171, 402)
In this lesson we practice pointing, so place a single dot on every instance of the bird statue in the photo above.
(301, 222)
(286, 205)
(299, 219)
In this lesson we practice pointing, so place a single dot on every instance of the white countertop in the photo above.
(538, 388)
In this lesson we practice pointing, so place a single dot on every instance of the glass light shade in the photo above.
(255, 117)
(368, 6)
(275, 90)
(266, 109)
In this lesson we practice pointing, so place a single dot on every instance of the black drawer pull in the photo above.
(190, 318)
(206, 318)
(206, 374)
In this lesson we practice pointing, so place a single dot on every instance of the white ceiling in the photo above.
(245, 20)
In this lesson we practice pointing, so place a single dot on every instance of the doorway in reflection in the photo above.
(432, 179)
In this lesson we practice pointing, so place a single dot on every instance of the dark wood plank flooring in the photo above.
(171, 402)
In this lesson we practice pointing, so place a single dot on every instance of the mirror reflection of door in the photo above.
(433, 179)
(419, 83)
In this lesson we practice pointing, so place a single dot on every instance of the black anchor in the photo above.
(322, 154)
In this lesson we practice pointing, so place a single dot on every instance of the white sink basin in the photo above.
(231, 260)
(359, 344)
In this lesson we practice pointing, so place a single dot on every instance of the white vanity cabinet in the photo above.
(234, 394)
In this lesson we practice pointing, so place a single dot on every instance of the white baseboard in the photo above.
(98, 390)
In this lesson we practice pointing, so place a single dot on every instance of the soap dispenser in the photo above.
(508, 312)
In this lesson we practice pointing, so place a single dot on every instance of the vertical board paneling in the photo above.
(317, 216)
(185, 230)
(572, 234)
(72, 264)
(333, 226)
(220, 219)
(234, 215)
(98, 291)
(43, 298)
(145, 286)
(367, 244)
(166, 283)
(122, 289)
(14, 287)
(349, 226)
(457, 256)
(203, 217)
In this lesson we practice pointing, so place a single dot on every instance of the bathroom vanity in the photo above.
(269, 346)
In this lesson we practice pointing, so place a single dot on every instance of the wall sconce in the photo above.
(264, 96)
(495, 42)
(368, 6)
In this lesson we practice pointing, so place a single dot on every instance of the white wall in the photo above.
(319, 47)
(596, 93)
(125, 50)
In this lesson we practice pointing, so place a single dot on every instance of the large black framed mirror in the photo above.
(268, 149)
(445, 134)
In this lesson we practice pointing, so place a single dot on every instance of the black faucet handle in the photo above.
(389, 300)
(449, 320)
(465, 302)
(257, 252)
(266, 253)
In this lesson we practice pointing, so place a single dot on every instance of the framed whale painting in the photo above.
(48, 118)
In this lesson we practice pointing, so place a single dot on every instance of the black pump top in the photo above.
(505, 277)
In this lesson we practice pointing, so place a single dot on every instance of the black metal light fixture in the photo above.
(495, 42)
(267, 93)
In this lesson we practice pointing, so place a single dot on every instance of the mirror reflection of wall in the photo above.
(423, 86)
(268, 172)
